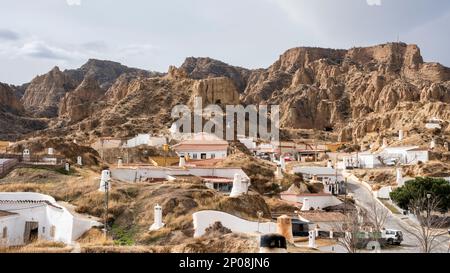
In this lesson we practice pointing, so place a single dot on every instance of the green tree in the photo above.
(419, 187)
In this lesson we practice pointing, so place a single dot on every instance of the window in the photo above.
(194, 156)
(213, 156)
(203, 156)
(5, 232)
(43, 230)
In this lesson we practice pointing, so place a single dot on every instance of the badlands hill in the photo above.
(350, 93)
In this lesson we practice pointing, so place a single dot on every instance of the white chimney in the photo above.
(385, 143)
(50, 151)
(400, 135)
(237, 186)
(105, 181)
(329, 164)
(283, 163)
(433, 144)
(157, 222)
(79, 161)
(400, 181)
(306, 205)
(278, 172)
(182, 161)
(312, 239)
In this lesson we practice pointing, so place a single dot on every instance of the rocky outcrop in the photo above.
(105, 72)
(43, 96)
(349, 93)
(44, 93)
(83, 102)
(220, 91)
(202, 68)
(9, 101)
(13, 123)
(342, 90)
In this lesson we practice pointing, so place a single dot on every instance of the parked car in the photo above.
(393, 237)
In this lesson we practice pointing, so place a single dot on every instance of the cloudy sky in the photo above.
(153, 34)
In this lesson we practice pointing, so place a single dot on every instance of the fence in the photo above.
(6, 165)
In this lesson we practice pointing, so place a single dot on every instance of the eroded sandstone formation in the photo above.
(350, 93)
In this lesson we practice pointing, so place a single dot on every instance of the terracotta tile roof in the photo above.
(201, 146)
(216, 179)
(321, 216)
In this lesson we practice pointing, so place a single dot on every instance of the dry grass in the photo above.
(95, 237)
(131, 211)
(40, 246)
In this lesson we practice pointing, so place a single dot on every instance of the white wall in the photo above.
(384, 193)
(248, 142)
(413, 157)
(219, 154)
(145, 139)
(134, 174)
(204, 219)
(141, 139)
(315, 201)
(11, 223)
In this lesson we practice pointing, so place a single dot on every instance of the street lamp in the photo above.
(428, 204)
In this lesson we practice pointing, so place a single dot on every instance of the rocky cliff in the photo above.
(349, 93)
(9, 102)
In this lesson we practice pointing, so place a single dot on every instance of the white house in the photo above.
(331, 178)
(220, 179)
(323, 174)
(145, 139)
(203, 146)
(434, 123)
(407, 155)
(365, 160)
(26, 217)
(311, 201)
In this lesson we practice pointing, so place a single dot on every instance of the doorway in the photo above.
(31, 233)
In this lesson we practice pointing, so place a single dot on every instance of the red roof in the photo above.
(184, 147)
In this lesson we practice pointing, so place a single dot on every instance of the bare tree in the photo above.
(349, 229)
(375, 216)
(430, 231)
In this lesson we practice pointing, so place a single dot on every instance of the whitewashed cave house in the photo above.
(202, 146)
(27, 217)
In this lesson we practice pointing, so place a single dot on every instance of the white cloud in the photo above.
(374, 2)
(137, 49)
(42, 50)
(73, 2)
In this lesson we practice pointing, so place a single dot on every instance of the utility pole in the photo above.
(106, 208)
(345, 197)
